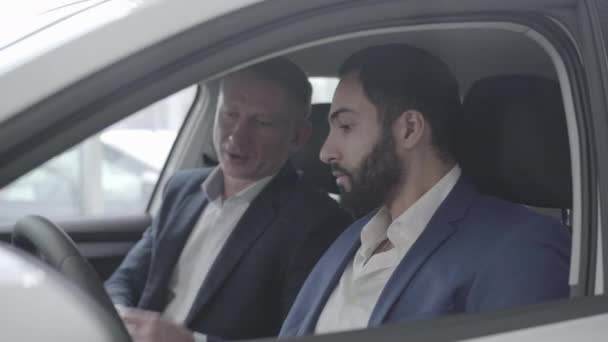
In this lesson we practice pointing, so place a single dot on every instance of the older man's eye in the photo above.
(345, 128)
(265, 123)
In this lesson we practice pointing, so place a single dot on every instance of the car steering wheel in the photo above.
(40, 236)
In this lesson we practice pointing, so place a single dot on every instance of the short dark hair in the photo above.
(399, 77)
(287, 74)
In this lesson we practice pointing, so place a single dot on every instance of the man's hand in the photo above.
(149, 326)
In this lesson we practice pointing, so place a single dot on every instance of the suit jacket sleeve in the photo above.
(527, 268)
(126, 284)
(322, 232)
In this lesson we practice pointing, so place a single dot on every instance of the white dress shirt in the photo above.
(353, 300)
(216, 223)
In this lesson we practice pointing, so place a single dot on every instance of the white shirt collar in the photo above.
(213, 186)
(406, 228)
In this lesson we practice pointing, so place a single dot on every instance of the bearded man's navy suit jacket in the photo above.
(257, 275)
(477, 254)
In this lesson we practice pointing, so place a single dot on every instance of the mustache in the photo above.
(337, 168)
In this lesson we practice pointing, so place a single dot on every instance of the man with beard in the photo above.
(430, 244)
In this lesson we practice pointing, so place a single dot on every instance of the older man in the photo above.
(232, 245)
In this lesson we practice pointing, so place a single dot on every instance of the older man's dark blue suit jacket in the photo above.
(257, 275)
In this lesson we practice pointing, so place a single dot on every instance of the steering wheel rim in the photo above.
(36, 233)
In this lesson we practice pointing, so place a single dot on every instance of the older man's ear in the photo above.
(301, 135)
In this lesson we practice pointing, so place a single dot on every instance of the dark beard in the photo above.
(372, 183)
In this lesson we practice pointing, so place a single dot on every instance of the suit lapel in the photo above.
(260, 214)
(437, 232)
(329, 271)
(169, 248)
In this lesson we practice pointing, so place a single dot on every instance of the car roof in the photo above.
(82, 44)
(69, 50)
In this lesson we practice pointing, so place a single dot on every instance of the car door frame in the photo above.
(257, 31)
(595, 37)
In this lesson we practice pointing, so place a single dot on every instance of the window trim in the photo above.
(595, 39)
(181, 149)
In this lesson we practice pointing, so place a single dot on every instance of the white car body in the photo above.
(38, 304)
(95, 38)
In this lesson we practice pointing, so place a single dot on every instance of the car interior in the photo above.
(517, 133)
(514, 134)
(510, 74)
(514, 131)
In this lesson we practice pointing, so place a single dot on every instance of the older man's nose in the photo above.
(240, 133)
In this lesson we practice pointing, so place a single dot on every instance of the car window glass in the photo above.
(111, 173)
(323, 88)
